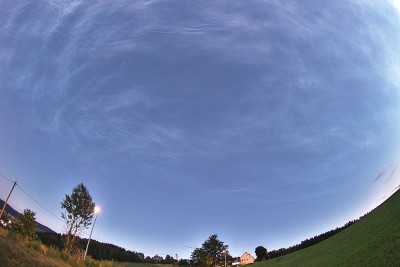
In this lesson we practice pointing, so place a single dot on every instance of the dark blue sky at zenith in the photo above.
(266, 122)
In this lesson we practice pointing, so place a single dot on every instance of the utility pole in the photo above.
(177, 263)
(5, 203)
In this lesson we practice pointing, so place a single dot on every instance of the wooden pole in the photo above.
(5, 203)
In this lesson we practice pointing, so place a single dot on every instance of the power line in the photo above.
(43, 207)
(5, 177)
(83, 233)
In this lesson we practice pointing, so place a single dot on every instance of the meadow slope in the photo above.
(15, 252)
(372, 241)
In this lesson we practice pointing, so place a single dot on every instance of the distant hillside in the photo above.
(16, 214)
(374, 240)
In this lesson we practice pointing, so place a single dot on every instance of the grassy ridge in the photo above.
(372, 241)
(15, 252)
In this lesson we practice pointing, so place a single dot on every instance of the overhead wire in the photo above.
(60, 219)
(5, 177)
(37, 202)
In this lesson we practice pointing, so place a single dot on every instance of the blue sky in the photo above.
(266, 122)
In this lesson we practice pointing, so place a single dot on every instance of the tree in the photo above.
(212, 253)
(169, 260)
(26, 225)
(184, 262)
(261, 253)
(157, 258)
(78, 214)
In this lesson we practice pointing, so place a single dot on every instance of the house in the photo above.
(246, 258)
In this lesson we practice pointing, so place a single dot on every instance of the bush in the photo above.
(65, 256)
(38, 246)
(89, 262)
(26, 225)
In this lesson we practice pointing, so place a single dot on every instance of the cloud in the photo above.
(391, 174)
(272, 96)
(387, 173)
(380, 175)
(233, 191)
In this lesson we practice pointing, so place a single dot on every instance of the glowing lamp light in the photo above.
(96, 209)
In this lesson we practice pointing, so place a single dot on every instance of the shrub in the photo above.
(26, 225)
(38, 246)
(89, 262)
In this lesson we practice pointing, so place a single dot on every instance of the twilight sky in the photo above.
(265, 122)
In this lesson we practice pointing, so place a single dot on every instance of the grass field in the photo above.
(372, 241)
(133, 264)
(15, 252)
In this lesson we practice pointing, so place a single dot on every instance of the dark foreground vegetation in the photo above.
(105, 251)
(16, 251)
(98, 250)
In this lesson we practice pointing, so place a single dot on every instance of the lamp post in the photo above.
(225, 257)
(96, 211)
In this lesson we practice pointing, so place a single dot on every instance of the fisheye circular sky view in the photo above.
(265, 122)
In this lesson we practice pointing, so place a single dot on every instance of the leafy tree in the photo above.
(184, 262)
(169, 260)
(157, 258)
(26, 225)
(78, 214)
(212, 253)
(261, 253)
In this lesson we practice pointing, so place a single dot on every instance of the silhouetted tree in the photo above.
(184, 262)
(261, 253)
(26, 225)
(157, 258)
(169, 260)
(78, 214)
(98, 250)
(211, 253)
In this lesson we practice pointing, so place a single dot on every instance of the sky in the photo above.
(265, 122)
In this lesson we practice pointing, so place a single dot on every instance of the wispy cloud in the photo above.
(279, 99)
(391, 174)
(387, 173)
(380, 175)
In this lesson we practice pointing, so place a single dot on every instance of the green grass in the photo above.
(16, 252)
(134, 264)
(372, 241)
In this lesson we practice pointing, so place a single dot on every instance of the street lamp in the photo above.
(96, 211)
(225, 257)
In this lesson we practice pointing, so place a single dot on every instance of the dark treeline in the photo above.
(308, 242)
(104, 251)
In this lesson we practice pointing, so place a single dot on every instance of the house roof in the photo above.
(247, 254)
